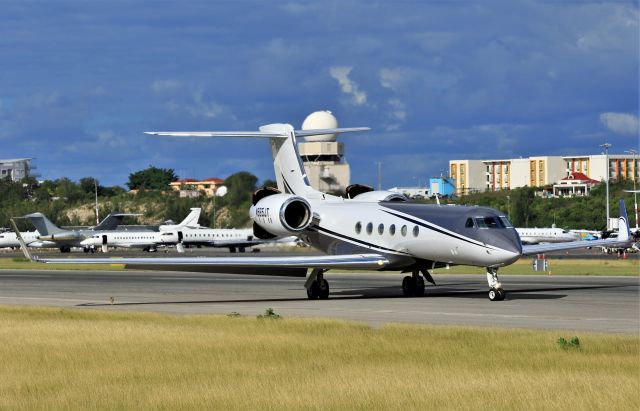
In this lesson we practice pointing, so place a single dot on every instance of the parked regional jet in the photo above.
(169, 234)
(546, 235)
(50, 235)
(366, 229)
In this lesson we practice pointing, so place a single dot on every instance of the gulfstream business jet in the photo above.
(365, 229)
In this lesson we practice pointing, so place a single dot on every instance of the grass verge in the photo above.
(59, 359)
(24, 264)
(565, 266)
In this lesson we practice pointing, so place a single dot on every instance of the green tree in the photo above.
(68, 190)
(521, 199)
(269, 183)
(240, 186)
(152, 178)
(88, 185)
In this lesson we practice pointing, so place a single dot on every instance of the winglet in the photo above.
(23, 245)
(624, 234)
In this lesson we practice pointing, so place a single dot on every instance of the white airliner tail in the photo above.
(287, 164)
(624, 232)
(192, 219)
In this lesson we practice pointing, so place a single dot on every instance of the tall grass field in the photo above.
(58, 359)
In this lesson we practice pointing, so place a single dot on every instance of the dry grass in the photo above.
(24, 264)
(568, 266)
(68, 359)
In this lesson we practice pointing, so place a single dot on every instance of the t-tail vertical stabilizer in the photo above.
(192, 219)
(624, 233)
(44, 226)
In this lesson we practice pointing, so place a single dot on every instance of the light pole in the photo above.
(606, 147)
(634, 153)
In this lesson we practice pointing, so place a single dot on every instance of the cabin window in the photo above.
(392, 229)
(380, 229)
(506, 222)
(403, 230)
(416, 230)
(369, 228)
(469, 223)
(358, 227)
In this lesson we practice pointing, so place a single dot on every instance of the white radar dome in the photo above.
(317, 120)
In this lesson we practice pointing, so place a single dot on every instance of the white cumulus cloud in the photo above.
(348, 86)
(621, 123)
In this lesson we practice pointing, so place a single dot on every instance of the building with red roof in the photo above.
(575, 184)
(190, 187)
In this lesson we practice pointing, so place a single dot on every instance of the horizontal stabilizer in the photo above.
(256, 134)
(249, 134)
(319, 132)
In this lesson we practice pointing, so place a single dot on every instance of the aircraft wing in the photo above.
(572, 245)
(624, 239)
(347, 261)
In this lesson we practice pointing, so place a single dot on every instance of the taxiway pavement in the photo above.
(601, 304)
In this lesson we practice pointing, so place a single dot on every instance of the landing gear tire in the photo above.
(318, 290)
(408, 286)
(496, 294)
(413, 286)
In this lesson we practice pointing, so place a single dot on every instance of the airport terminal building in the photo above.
(471, 176)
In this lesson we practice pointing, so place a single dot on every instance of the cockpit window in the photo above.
(506, 222)
(469, 223)
(487, 222)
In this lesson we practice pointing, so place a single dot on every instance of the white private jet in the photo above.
(169, 234)
(546, 235)
(370, 230)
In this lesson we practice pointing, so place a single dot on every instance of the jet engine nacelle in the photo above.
(377, 196)
(282, 214)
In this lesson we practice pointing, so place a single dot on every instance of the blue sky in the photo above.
(80, 82)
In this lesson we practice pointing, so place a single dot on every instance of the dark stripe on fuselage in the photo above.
(420, 223)
(317, 227)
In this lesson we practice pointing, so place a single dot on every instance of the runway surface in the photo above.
(602, 304)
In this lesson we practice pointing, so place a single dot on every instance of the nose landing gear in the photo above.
(496, 293)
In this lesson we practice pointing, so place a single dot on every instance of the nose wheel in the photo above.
(496, 293)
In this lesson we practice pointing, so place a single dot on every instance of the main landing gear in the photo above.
(496, 293)
(413, 285)
(317, 287)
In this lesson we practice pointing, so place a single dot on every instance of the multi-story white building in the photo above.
(621, 166)
(467, 175)
(537, 171)
(16, 168)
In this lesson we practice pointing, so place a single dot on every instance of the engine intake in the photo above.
(281, 214)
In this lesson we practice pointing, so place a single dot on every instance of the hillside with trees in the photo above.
(68, 202)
